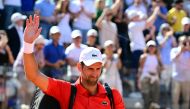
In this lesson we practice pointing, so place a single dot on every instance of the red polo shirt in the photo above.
(60, 90)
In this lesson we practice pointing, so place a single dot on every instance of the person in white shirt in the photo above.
(84, 11)
(73, 52)
(149, 70)
(137, 23)
(180, 57)
(111, 67)
(107, 28)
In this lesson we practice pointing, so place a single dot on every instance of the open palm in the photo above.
(32, 30)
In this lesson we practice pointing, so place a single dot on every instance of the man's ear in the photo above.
(79, 67)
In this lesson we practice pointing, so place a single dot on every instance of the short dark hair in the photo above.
(82, 64)
(178, 1)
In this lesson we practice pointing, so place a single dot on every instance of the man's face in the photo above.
(20, 23)
(186, 27)
(90, 74)
(56, 37)
(77, 40)
(179, 6)
(91, 39)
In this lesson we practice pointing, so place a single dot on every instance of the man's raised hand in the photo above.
(32, 30)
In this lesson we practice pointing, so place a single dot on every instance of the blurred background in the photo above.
(145, 46)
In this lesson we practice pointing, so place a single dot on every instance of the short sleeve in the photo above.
(58, 89)
(118, 100)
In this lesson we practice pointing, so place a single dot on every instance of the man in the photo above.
(180, 57)
(54, 55)
(175, 15)
(90, 93)
(107, 28)
(15, 33)
(185, 26)
(73, 52)
(92, 36)
(137, 24)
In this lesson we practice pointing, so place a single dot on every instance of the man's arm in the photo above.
(150, 21)
(31, 32)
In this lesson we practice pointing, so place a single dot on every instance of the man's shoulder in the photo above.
(172, 11)
(58, 84)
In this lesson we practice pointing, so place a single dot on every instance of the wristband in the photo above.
(28, 47)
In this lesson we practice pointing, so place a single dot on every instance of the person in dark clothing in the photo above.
(15, 33)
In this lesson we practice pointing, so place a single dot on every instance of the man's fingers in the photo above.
(36, 20)
(27, 22)
(30, 19)
(38, 32)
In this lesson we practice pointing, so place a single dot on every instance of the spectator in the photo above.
(73, 52)
(27, 88)
(137, 6)
(137, 24)
(103, 23)
(15, 33)
(162, 15)
(91, 38)
(6, 57)
(63, 18)
(175, 15)
(166, 41)
(45, 8)
(111, 67)
(27, 7)
(10, 8)
(150, 64)
(54, 55)
(186, 28)
(84, 12)
(180, 57)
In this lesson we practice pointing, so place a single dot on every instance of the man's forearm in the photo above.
(30, 66)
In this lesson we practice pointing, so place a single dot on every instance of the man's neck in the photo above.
(55, 43)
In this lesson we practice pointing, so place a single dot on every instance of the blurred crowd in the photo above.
(145, 46)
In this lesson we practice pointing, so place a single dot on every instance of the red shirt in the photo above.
(60, 90)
